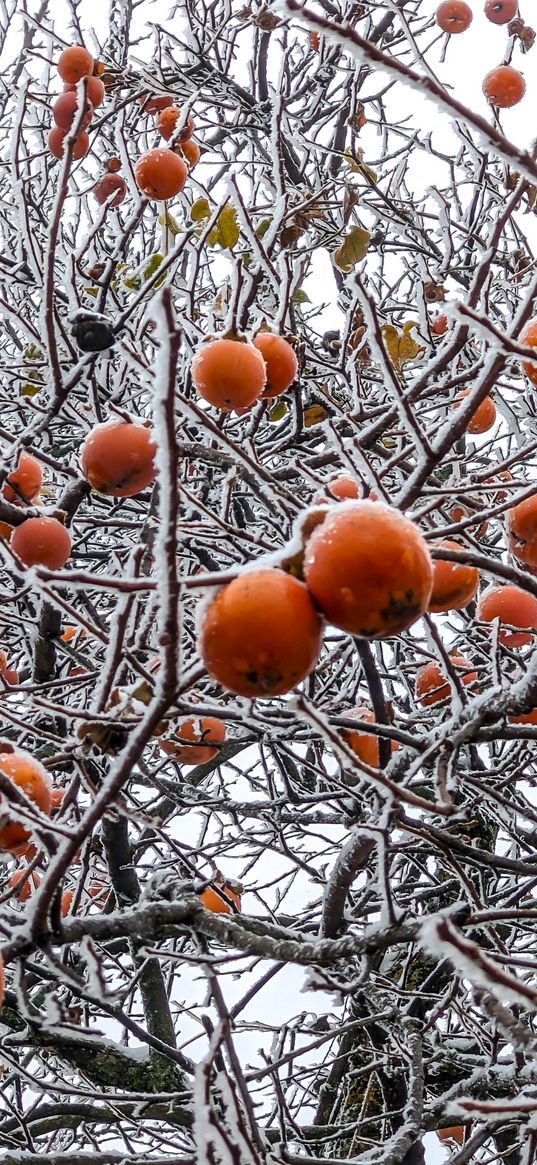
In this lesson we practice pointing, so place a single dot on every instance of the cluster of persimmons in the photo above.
(503, 86)
(160, 173)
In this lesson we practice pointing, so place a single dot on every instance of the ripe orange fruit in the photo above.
(280, 360)
(190, 745)
(432, 685)
(160, 174)
(454, 16)
(66, 902)
(261, 634)
(510, 605)
(22, 484)
(5, 531)
(212, 900)
(440, 325)
(454, 1134)
(167, 121)
(454, 585)
(364, 744)
(190, 151)
(315, 41)
(524, 718)
(368, 569)
(484, 416)
(95, 91)
(106, 186)
(154, 104)
(504, 87)
(66, 109)
(528, 336)
(522, 531)
(24, 884)
(9, 675)
(42, 542)
(56, 139)
(459, 513)
(229, 374)
(117, 458)
(74, 63)
(113, 164)
(344, 488)
(32, 779)
(501, 11)
(57, 798)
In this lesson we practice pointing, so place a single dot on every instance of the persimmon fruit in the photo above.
(368, 569)
(57, 798)
(155, 103)
(117, 458)
(344, 488)
(524, 717)
(432, 685)
(190, 151)
(28, 775)
(66, 109)
(74, 63)
(440, 325)
(261, 634)
(315, 40)
(454, 16)
(168, 120)
(193, 741)
(484, 416)
(453, 1134)
(280, 360)
(522, 532)
(42, 542)
(501, 11)
(528, 337)
(504, 87)
(106, 186)
(160, 174)
(22, 485)
(364, 744)
(24, 883)
(95, 91)
(229, 374)
(66, 902)
(454, 584)
(513, 606)
(212, 900)
(56, 144)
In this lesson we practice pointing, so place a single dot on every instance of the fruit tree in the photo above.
(268, 577)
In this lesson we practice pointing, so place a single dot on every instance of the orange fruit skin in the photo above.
(460, 513)
(511, 605)
(10, 675)
(280, 360)
(27, 882)
(431, 683)
(117, 458)
(212, 901)
(27, 479)
(344, 488)
(528, 337)
(167, 121)
(57, 797)
(454, 585)
(501, 11)
(95, 91)
(522, 532)
(156, 103)
(504, 87)
(261, 634)
(74, 63)
(207, 728)
(454, 1133)
(28, 775)
(525, 717)
(66, 109)
(42, 542)
(106, 186)
(483, 418)
(56, 139)
(364, 744)
(5, 531)
(229, 374)
(160, 174)
(66, 902)
(440, 325)
(191, 152)
(454, 16)
(369, 570)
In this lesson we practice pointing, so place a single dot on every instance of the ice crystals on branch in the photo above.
(92, 331)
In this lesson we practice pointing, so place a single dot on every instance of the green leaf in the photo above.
(200, 210)
(262, 227)
(299, 296)
(353, 249)
(152, 265)
(278, 412)
(228, 228)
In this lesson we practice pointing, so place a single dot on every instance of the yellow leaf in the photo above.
(400, 346)
(353, 249)
(200, 210)
(171, 224)
(314, 415)
(357, 164)
(228, 228)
